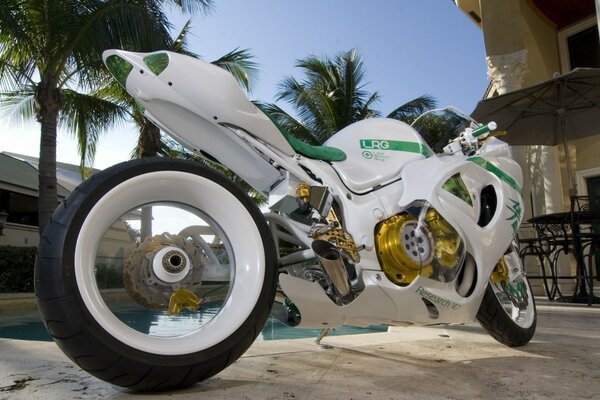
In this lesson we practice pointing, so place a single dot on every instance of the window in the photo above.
(579, 45)
(22, 209)
(584, 48)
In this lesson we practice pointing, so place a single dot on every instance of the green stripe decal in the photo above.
(394, 145)
(503, 176)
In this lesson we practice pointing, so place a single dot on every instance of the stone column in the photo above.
(553, 192)
(507, 71)
(552, 180)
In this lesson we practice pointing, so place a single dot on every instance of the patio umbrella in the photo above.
(564, 108)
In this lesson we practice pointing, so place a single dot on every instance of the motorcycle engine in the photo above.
(425, 245)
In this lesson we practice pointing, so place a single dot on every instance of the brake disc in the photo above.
(517, 293)
(161, 265)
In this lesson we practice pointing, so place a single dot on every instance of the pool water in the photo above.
(27, 325)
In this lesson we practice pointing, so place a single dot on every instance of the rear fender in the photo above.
(194, 101)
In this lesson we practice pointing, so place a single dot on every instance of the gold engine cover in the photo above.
(406, 250)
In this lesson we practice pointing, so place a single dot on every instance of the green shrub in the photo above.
(16, 268)
(109, 276)
(17, 265)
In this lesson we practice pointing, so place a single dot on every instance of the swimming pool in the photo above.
(27, 325)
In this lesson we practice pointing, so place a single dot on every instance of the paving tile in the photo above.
(450, 362)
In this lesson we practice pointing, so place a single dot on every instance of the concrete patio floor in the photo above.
(462, 362)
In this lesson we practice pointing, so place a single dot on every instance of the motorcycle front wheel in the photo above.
(155, 274)
(508, 311)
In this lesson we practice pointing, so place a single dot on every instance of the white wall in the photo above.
(20, 235)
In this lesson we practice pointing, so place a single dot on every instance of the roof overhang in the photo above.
(558, 13)
(563, 13)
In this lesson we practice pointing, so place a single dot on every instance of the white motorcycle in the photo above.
(159, 273)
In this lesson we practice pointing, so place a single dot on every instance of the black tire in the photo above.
(495, 317)
(85, 341)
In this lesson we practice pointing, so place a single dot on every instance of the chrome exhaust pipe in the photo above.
(331, 260)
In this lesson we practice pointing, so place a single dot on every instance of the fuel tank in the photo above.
(377, 150)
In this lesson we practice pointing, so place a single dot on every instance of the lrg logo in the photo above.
(374, 144)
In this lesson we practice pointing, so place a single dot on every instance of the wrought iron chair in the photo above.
(585, 220)
(541, 245)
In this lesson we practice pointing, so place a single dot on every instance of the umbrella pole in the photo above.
(572, 183)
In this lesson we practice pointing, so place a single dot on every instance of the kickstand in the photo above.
(323, 333)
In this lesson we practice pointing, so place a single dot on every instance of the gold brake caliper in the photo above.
(183, 298)
(500, 273)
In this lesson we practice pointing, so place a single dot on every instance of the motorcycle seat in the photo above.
(323, 153)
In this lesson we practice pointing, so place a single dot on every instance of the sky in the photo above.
(409, 48)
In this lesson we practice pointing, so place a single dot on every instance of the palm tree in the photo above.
(331, 97)
(50, 62)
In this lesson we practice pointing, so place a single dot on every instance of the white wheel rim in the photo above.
(211, 199)
(523, 318)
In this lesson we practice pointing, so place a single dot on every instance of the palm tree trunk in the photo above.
(48, 106)
(149, 144)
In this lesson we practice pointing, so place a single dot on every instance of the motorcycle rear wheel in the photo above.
(508, 311)
(213, 227)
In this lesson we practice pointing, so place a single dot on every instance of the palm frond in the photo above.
(331, 96)
(365, 111)
(289, 123)
(181, 43)
(111, 90)
(193, 6)
(20, 38)
(87, 116)
(15, 76)
(409, 111)
(17, 107)
(318, 71)
(239, 63)
(139, 25)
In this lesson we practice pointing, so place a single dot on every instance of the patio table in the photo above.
(564, 233)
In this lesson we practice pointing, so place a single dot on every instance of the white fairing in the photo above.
(422, 180)
(502, 154)
(377, 150)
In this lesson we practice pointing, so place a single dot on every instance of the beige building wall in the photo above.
(542, 45)
(588, 152)
(20, 235)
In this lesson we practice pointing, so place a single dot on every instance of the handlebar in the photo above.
(482, 130)
(468, 140)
